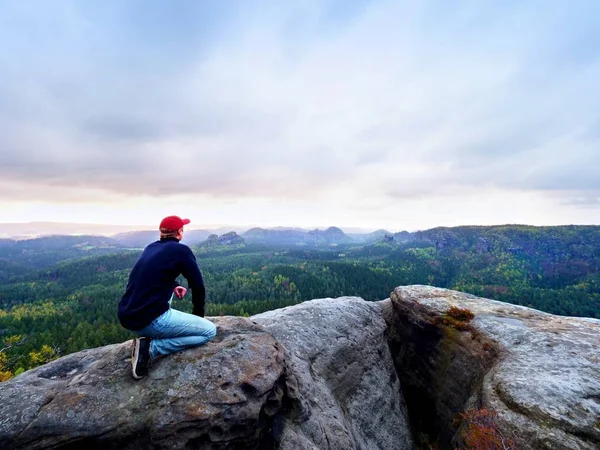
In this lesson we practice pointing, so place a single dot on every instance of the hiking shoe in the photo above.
(140, 358)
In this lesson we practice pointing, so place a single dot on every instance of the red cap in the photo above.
(173, 223)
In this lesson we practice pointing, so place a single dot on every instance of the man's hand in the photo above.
(180, 291)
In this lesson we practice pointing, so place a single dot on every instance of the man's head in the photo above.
(172, 226)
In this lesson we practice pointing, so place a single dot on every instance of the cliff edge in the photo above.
(535, 375)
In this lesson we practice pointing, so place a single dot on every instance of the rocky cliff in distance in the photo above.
(227, 239)
(349, 394)
(330, 236)
(330, 374)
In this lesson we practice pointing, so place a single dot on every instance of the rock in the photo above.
(222, 395)
(226, 240)
(388, 238)
(329, 374)
(349, 396)
(333, 388)
(231, 238)
(539, 373)
(482, 245)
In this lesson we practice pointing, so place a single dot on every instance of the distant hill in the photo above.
(374, 236)
(231, 238)
(274, 236)
(60, 242)
(30, 230)
(404, 236)
(330, 236)
(136, 239)
(138, 236)
(553, 242)
(140, 239)
(45, 251)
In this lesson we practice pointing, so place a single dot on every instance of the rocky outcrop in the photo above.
(330, 374)
(222, 395)
(539, 374)
(230, 239)
(333, 388)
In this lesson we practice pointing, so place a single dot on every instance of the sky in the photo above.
(401, 115)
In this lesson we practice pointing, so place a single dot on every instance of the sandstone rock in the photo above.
(231, 238)
(333, 388)
(222, 395)
(320, 375)
(539, 372)
(348, 395)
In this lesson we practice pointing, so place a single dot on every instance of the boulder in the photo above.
(535, 375)
(222, 395)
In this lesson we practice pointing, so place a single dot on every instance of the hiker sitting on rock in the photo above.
(145, 308)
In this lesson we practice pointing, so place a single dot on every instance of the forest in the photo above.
(59, 295)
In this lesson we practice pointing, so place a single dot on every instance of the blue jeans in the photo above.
(174, 331)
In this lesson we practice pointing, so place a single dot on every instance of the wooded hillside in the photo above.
(53, 301)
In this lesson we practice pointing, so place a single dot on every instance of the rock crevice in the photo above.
(338, 351)
(534, 371)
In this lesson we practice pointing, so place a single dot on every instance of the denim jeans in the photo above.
(174, 331)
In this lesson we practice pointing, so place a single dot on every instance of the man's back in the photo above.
(151, 282)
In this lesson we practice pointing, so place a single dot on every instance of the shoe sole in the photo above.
(134, 358)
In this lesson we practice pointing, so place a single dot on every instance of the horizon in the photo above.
(32, 230)
(368, 113)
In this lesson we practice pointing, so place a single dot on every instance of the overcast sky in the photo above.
(375, 114)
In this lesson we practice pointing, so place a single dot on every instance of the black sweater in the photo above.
(153, 279)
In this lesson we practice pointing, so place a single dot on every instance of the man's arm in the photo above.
(192, 274)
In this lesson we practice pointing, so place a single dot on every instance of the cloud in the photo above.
(584, 202)
(381, 100)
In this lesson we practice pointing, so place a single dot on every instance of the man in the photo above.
(146, 309)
